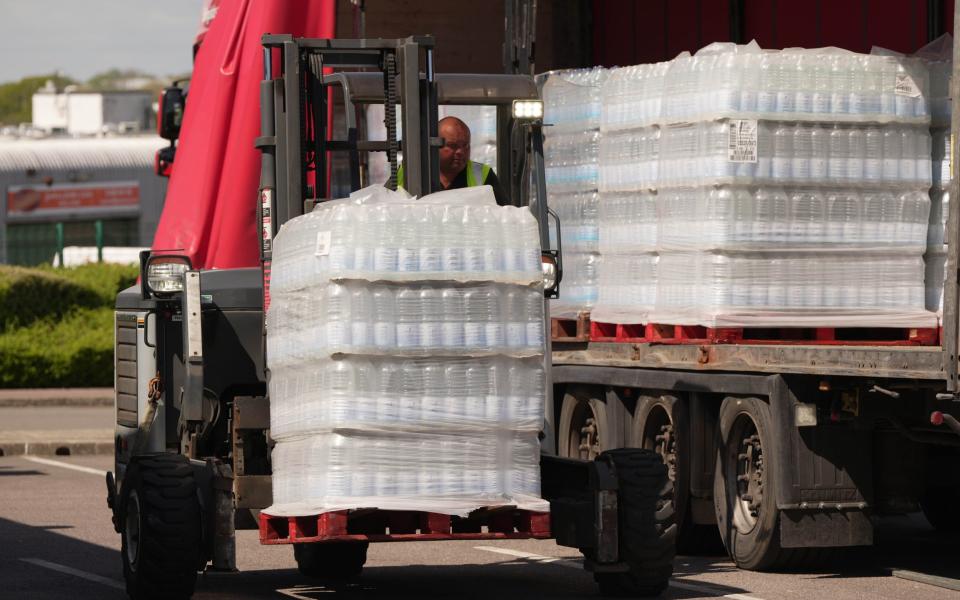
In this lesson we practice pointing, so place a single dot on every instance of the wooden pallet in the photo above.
(571, 330)
(825, 336)
(372, 525)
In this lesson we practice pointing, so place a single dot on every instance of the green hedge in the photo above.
(74, 352)
(56, 325)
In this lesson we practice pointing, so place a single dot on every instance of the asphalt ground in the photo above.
(56, 541)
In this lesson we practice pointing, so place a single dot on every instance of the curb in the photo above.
(84, 448)
(80, 397)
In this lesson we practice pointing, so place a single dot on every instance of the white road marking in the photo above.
(64, 465)
(75, 572)
(708, 589)
(537, 558)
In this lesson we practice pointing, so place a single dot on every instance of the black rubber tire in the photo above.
(757, 548)
(333, 561)
(941, 507)
(163, 561)
(581, 398)
(646, 525)
(692, 538)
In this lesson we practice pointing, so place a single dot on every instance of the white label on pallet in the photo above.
(906, 86)
(323, 243)
(742, 141)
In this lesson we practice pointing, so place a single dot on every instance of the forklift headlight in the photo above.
(527, 109)
(165, 273)
(548, 264)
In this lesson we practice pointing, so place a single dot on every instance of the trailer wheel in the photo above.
(583, 425)
(662, 424)
(331, 560)
(646, 525)
(941, 507)
(744, 491)
(161, 532)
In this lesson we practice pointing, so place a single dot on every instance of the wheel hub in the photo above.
(666, 447)
(589, 439)
(750, 476)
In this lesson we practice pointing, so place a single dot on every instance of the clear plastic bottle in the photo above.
(430, 229)
(431, 317)
(411, 393)
(892, 149)
(516, 329)
(802, 152)
(805, 82)
(839, 85)
(857, 153)
(769, 83)
(408, 239)
(534, 316)
(908, 155)
(473, 239)
(408, 318)
(452, 332)
(476, 303)
(494, 333)
(451, 238)
(782, 153)
(857, 77)
(839, 153)
(338, 318)
(750, 67)
(787, 90)
(389, 384)
(385, 317)
(362, 319)
(342, 238)
(819, 154)
(363, 250)
(385, 250)
(873, 157)
(820, 103)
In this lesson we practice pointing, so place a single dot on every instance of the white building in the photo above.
(92, 113)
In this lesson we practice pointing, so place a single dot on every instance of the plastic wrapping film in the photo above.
(627, 288)
(769, 289)
(405, 319)
(571, 161)
(628, 222)
(435, 471)
(752, 152)
(727, 80)
(463, 236)
(579, 226)
(410, 392)
(571, 99)
(482, 121)
(395, 394)
(741, 218)
(578, 289)
(935, 275)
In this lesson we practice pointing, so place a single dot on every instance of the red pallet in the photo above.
(820, 336)
(404, 526)
(570, 330)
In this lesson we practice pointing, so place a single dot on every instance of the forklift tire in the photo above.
(662, 423)
(161, 535)
(646, 526)
(331, 560)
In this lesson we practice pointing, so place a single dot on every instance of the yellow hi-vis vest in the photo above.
(476, 174)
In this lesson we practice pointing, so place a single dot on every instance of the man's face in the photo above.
(456, 150)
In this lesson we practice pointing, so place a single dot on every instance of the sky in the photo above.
(81, 38)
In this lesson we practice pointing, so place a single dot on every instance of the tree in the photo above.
(16, 97)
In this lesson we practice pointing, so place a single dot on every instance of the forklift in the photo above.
(193, 443)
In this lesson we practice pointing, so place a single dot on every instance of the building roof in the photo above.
(84, 153)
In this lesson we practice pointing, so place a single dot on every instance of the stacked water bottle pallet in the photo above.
(786, 189)
(571, 153)
(940, 65)
(406, 367)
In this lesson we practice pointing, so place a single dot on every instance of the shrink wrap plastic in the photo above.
(726, 80)
(418, 389)
(751, 152)
(744, 188)
(448, 236)
(571, 155)
(782, 289)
